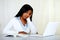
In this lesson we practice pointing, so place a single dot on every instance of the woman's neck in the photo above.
(24, 21)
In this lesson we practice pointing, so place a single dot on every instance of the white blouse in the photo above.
(15, 26)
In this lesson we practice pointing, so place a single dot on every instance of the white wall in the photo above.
(57, 14)
(1, 14)
(7, 12)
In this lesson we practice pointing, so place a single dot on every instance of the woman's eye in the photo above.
(30, 14)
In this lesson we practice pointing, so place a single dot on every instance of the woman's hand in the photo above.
(22, 32)
(36, 32)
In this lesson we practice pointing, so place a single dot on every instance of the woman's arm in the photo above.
(22, 32)
(32, 27)
(7, 30)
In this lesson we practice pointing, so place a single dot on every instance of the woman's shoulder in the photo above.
(13, 19)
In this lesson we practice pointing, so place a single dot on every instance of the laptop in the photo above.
(50, 29)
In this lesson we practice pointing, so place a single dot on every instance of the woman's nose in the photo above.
(28, 15)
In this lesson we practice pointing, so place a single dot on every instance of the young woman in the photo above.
(22, 22)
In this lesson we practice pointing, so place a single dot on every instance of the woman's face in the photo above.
(27, 14)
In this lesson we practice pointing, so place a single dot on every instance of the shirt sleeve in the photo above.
(17, 26)
(7, 28)
(32, 27)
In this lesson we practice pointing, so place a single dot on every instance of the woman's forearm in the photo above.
(22, 32)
